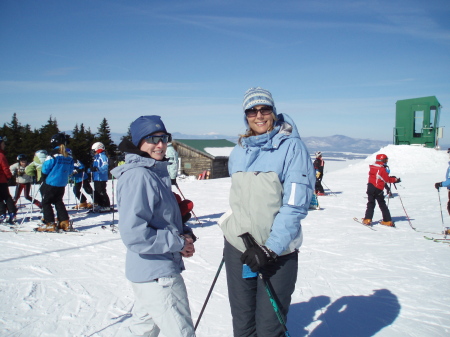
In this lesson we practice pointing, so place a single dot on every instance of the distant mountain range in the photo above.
(338, 143)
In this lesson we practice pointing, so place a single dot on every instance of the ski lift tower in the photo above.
(417, 122)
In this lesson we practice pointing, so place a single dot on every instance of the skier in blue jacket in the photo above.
(151, 228)
(81, 180)
(273, 181)
(446, 183)
(99, 172)
(55, 174)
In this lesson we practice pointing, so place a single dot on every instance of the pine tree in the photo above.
(46, 132)
(81, 143)
(104, 136)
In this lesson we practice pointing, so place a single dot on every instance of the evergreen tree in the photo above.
(81, 143)
(104, 136)
(46, 132)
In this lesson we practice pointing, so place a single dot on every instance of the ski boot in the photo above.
(66, 226)
(2, 218)
(387, 223)
(12, 218)
(367, 222)
(48, 227)
(446, 231)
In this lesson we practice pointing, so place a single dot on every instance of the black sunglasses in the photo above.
(266, 110)
(156, 139)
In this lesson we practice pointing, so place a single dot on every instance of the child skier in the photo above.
(56, 170)
(99, 172)
(81, 179)
(23, 180)
(378, 177)
(5, 198)
(319, 164)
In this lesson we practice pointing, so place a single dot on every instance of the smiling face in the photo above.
(156, 151)
(260, 124)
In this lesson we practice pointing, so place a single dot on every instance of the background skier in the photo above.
(100, 170)
(81, 180)
(23, 180)
(6, 201)
(378, 177)
(319, 164)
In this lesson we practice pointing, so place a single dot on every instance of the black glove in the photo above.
(185, 218)
(399, 180)
(258, 257)
(437, 185)
(173, 181)
(94, 169)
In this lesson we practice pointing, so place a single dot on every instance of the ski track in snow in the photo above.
(351, 282)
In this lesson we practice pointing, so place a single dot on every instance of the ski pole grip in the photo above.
(247, 238)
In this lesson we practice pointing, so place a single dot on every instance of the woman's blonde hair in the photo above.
(62, 150)
(250, 132)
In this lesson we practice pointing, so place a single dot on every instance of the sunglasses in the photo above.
(267, 110)
(156, 139)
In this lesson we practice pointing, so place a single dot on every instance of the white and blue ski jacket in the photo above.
(272, 185)
(57, 168)
(101, 163)
(150, 219)
(446, 183)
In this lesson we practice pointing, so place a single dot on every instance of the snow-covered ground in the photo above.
(352, 281)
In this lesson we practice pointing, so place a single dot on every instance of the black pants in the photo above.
(100, 195)
(87, 188)
(375, 194)
(6, 201)
(53, 195)
(252, 311)
(319, 187)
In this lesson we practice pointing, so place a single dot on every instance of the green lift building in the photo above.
(417, 122)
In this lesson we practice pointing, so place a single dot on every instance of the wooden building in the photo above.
(200, 155)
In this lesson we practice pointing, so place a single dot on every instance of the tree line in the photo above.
(21, 139)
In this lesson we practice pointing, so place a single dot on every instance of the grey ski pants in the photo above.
(252, 311)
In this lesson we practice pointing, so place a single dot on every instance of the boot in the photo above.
(2, 218)
(446, 231)
(65, 225)
(388, 223)
(37, 203)
(12, 218)
(48, 227)
(367, 222)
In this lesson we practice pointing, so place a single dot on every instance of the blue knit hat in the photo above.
(258, 96)
(145, 126)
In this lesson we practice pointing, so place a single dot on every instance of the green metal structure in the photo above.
(417, 122)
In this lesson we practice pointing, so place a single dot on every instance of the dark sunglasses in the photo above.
(156, 139)
(267, 110)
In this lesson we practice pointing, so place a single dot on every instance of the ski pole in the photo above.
(409, 221)
(329, 189)
(249, 241)
(209, 293)
(192, 210)
(32, 201)
(440, 206)
(113, 208)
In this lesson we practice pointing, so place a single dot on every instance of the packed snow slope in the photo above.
(352, 281)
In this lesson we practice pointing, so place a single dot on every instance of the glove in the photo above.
(437, 185)
(258, 257)
(317, 174)
(185, 218)
(173, 181)
(94, 169)
(20, 173)
(399, 180)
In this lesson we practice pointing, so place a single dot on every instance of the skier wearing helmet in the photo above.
(99, 172)
(319, 164)
(55, 175)
(378, 177)
(23, 180)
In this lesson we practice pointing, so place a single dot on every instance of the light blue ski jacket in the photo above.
(57, 168)
(272, 185)
(446, 183)
(150, 219)
(101, 163)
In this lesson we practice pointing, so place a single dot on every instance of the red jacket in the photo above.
(5, 172)
(378, 176)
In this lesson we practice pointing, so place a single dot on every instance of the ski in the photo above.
(362, 223)
(443, 240)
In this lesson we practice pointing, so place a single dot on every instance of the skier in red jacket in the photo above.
(378, 177)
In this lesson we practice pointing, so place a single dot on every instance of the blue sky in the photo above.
(336, 67)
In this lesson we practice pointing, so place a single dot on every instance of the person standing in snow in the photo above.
(81, 180)
(99, 172)
(23, 180)
(272, 185)
(152, 229)
(6, 201)
(445, 183)
(55, 175)
(378, 177)
(172, 155)
(34, 169)
(319, 164)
